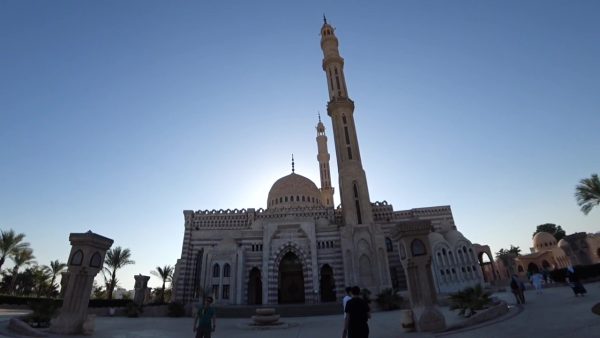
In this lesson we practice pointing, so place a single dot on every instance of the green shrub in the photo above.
(388, 299)
(582, 271)
(43, 312)
(366, 295)
(175, 309)
(109, 302)
(469, 300)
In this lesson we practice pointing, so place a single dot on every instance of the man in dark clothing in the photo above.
(205, 321)
(357, 314)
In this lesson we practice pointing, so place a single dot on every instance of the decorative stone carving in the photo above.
(85, 261)
(266, 317)
(141, 287)
(415, 255)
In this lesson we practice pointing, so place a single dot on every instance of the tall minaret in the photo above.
(354, 192)
(323, 158)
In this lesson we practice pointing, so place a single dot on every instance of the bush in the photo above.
(43, 312)
(469, 300)
(366, 295)
(582, 271)
(109, 302)
(175, 309)
(388, 299)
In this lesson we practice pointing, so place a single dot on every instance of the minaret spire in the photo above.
(354, 191)
(323, 158)
(292, 163)
(324, 19)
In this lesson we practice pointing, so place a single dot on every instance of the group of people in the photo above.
(537, 279)
(357, 313)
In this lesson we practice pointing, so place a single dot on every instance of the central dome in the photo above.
(293, 190)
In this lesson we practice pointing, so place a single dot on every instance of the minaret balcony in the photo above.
(333, 59)
(339, 102)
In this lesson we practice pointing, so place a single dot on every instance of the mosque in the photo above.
(301, 248)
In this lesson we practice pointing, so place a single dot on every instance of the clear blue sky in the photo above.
(115, 116)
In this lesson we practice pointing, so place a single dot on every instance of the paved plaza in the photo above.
(555, 313)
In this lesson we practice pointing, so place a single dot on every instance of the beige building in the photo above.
(547, 254)
(302, 249)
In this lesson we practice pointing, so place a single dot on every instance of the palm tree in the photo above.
(115, 259)
(10, 243)
(587, 193)
(41, 276)
(20, 258)
(54, 269)
(166, 274)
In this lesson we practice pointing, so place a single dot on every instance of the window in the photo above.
(216, 270)
(417, 247)
(225, 291)
(226, 271)
(388, 245)
(344, 119)
(286, 198)
(215, 290)
(349, 153)
(347, 135)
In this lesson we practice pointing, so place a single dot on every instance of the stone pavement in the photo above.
(555, 313)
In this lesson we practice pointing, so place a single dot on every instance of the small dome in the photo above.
(293, 190)
(435, 237)
(563, 244)
(543, 241)
(454, 236)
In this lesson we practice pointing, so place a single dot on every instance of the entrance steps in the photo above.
(285, 310)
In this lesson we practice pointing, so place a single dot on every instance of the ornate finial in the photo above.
(324, 19)
(292, 163)
(319, 115)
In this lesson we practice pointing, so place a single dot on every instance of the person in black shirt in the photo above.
(357, 315)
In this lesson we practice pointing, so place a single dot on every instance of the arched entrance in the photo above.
(545, 265)
(533, 268)
(291, 280)
(254, 287)
(327, 285)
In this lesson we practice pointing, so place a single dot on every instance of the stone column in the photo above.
(415, 255)
(85, 260)
(141, 285)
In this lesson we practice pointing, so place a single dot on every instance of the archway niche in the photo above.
(327, 284)
(254, 287)
(545, 265)
(291, 280)
(533, 268)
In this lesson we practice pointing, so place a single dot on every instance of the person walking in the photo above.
(357, 315)
(345, 300)
(536, 280)
(517, 288)
(574, 282)
(205, 322)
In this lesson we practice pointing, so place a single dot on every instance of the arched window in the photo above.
(226, 270)
(417, 247)
(216, 270)
(77, 258)
(388, 245)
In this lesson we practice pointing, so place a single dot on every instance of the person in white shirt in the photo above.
(346, 298)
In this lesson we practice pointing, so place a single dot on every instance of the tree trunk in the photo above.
(162, 294)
